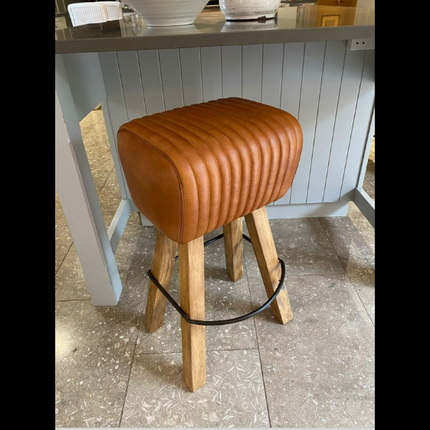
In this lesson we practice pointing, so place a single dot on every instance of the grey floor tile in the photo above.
(319, 368)
(63, 237)
(371, 311)
(363, 279)
(95, 345)
(133, 257)
(110, 198)
(367, 232)
(96, 142)
(69, 280)
(94, 350)
(167, 339)
(88, 123)
(233, 395)
(369, 180)
(304, 247)
(356, 252)
(349, 243)
(226, 299)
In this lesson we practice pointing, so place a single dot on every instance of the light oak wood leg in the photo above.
(233, 244)
(163, 261)
(192, 301)
(267, 257)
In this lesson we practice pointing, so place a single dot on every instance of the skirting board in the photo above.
(295, 211)
(309, 210)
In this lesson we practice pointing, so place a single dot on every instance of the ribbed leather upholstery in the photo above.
(193, 169)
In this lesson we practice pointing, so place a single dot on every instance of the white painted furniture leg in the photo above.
(78, 197)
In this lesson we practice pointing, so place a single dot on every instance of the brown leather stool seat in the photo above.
(193, 169)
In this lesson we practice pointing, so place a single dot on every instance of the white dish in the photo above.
(162, 13)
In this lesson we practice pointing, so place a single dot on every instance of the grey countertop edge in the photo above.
(68, 46)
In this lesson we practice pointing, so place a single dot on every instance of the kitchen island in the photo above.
(314, 60)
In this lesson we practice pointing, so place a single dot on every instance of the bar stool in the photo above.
(193, 169)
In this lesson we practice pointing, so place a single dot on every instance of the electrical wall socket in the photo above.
(360, 44)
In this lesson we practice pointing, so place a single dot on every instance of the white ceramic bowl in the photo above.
(162, 13)
(249, 9)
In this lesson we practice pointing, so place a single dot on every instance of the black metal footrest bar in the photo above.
(226, 321)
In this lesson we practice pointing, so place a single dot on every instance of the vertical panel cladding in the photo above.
(191, 72)
(330, 85)
(361, 129)
(252, 71)
(292, 77)
(114, 91)
(291, 87)
(308, 111)
(211, 73)
(272, 74)
(346, 112)
(151, 81)
(129, 70)
(328, 88)
(114, 109)
(171, 79)
(231, 59)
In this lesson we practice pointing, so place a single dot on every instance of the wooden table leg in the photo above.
(163, 261)
(233, 243)
(267, 258)
(192, 301)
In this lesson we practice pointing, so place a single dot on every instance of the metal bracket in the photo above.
(226, 321)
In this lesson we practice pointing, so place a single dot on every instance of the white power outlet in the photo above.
(360, 44)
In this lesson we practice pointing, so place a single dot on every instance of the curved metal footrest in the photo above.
(226, 321)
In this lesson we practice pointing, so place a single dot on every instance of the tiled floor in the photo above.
(316, 371)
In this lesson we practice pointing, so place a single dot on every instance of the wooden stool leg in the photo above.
(192, 301)
(267, 257)
(233, 244)
(163, 261)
